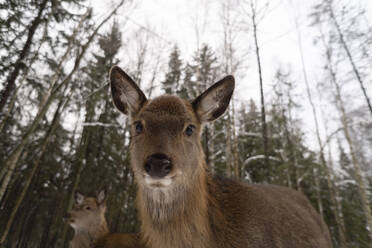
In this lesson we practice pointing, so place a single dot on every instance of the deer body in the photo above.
(121, 240)
(278, 217)
(180, 203)
(86, 239)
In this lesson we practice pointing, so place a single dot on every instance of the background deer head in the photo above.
(87, 211)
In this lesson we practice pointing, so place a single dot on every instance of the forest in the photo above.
(306, 124)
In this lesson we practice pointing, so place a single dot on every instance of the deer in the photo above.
(180, 203)
(87, 218)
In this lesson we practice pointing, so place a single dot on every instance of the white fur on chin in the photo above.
(157, 182)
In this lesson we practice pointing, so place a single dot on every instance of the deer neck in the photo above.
(179, 222)
(86, 238)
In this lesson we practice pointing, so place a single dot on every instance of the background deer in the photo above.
(87, 218)
(180, 203)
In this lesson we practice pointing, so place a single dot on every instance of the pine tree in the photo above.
(171, 83)
(204, 68)
(45, 12)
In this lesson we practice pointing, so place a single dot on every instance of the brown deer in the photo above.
(180, 203)
(87, 218)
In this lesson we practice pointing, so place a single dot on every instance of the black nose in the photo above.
(158, 165)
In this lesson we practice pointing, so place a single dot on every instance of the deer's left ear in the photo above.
(101, 197)
(213, 102)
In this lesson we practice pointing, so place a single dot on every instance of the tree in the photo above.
(330, 67)
(171, 83)
(49, 96)
(44, 11)
(348, 53)
(231, 63)
(323, 162)
(254, 19)
(41, 130)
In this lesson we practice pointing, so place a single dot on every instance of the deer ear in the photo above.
(79, 198)
(213, 102)
(127, 96)
(101, 197)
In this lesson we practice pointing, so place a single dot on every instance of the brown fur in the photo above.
(89, 224)
(120, 240)
(191, 208)
(91, 227)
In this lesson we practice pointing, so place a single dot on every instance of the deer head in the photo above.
(166, 152)
(87, 212)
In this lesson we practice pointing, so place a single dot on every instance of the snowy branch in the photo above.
(344, 182)
(92, 124)
(248, 160)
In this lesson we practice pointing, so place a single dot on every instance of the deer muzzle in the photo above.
(158, 165)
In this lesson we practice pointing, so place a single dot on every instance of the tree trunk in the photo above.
(10, 81)
(334, 192)
(358, 173)
(229, 160)
(230, 64)
(14, 96)
(49, 222)
(46, 99)
(154, 76)
(337, 203)
(350, 57)
(11, 162)
(24, 228)
(298, 182)
(30, 207)
(317, 190)
(336, 206)
(263, 113)
(315, 116)
(79, 164)
(29, 178)
(6, 116)
(234, 142)
(28, 230)
(345, 127)
(290, 148)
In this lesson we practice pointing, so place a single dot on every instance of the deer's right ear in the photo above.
(127, 96)
(79, 198)
(213, 102)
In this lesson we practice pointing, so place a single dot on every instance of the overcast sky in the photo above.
(174, 22)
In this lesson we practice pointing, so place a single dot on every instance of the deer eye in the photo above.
(189, 130)
(87, 208)
(139, 127)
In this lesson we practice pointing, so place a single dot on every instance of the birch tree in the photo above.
(255, 16)
(347, 132)
(345, 46)
(331, 186)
